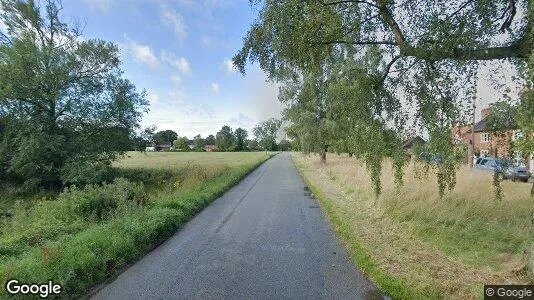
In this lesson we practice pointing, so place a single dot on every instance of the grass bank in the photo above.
(413, 243)
(84, 236)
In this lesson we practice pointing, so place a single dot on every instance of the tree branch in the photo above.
(388, 67)
(520, 49)
(356, 42)
(350, 1)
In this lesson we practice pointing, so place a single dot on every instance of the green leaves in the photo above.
(63, 97)
(265, 133)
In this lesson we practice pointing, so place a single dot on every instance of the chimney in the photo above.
(486, 112)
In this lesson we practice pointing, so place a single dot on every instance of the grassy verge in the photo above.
(414, 244)
(86, 236)
(394, 287)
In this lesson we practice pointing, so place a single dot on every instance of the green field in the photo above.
(82, 236)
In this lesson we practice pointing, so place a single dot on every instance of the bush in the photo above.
(93, 255)
(73, 210)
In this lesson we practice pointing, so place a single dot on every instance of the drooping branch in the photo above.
(388, 67)
(521, 48)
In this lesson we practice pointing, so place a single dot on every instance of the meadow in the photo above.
(85, 235)
(413, 243)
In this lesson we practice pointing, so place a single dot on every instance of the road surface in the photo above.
(265, 238)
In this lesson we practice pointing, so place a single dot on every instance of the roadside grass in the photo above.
(84, 236)
(413, 243)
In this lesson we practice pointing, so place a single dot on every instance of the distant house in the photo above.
(486, 142)
(210, 148)
(163, 147)
(409, 144)
(150, 149)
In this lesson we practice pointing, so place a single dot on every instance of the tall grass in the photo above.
(446, 246)
(85, 236)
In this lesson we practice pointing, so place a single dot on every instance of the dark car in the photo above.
(504, 169)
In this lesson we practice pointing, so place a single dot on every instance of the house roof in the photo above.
(411, 141)
(480, 126)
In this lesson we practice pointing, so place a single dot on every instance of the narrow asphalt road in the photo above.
(265, 238)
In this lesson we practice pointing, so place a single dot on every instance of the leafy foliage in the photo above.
(181, 144)
(241, 136)
(198, 143)
(265, 134)
(165, 137)
(358, 76)
(225, 139)
(66, 110)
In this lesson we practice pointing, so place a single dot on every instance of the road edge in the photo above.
(388, 284)
(95, 289)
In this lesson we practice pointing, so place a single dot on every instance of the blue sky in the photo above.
(179, 51)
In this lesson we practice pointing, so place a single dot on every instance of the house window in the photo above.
(517, 135)
(484, 153)
(485, 137)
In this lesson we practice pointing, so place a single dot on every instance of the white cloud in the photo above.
(143, 54)
(101, 5)
(153, 97)
(176, 79)
(228, 66)
(176, 97)
(176, 20)
(215, 88)
(243, 121)
(203, 110)
(180, 63)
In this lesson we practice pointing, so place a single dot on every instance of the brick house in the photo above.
(486, 142)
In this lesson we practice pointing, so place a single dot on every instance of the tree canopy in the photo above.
(241, 137)
(66, 109)
(165, 137)
(265, 134)
(199, 143)
(225, 139)
(361, 75)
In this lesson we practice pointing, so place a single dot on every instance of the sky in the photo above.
(180, 52)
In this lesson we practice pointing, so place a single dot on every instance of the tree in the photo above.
(253, 145)
(284, 145)
(210, 140)
(356, 69)
(165, 137)
(265, 134)
(525, 114)
(241, 136)
(142, 139)
(198, 143)
(181, 144)
(225, 139)
(69, 111)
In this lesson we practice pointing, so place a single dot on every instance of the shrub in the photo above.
(73, 210)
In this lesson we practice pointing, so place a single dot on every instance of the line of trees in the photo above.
(226, 139)
(358, 76)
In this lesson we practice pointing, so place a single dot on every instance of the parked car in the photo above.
(504, 169)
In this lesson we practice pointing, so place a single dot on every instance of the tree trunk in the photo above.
(323, 157)
(323, 154)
